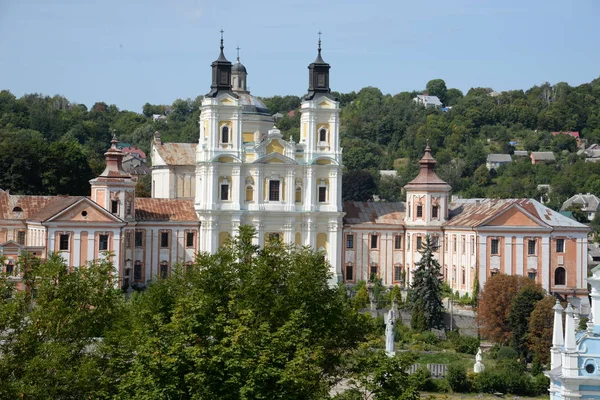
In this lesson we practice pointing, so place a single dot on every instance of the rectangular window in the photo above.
(495, 247)
(164, 270)
(21, 237)
(164, 239)
(349, 241)
(298, 195)
(464, 245)
(349, 272)
(139, 237)
(10, 268)
(102, 242)
(397, 273)
(63, 241)
(463, 276)
(419, 242)
(531, 244)
(398, 242)
(322, 194)
(454, 243)
(137, 271)
(531, 275)
(434, 211)
(189, 239)
(114, 206)
(435, 242)
(560, 245)
(274, 190)
(224, 192)
(373, 241)
(419, 211)
(472, 245)
(373, 274)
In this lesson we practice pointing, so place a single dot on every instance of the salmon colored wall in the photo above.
(512, 217)
(83, 243)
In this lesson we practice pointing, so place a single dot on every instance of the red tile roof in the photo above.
(369, 212)
(427, 175)
(177, 153)
(39, 208)
(148, 209)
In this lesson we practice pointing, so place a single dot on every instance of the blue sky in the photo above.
(128, 53)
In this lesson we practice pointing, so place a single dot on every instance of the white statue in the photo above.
(389, 333)
(478, 367)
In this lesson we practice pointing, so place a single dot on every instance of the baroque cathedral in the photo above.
(243, 171)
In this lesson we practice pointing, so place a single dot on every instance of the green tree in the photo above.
(358, 186)
(437, 87)
(50, 341)
(539, 338)
(520, 312)
(242, 323)
(427, 287)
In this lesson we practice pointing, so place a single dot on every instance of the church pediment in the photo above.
(227, 100)
(85, 211)
(275, 158)
(326, 104)
(514, 216)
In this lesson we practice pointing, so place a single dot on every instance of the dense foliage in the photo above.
(240, 324)
(379, 131)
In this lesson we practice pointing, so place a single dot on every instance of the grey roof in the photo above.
(429, 99)
(252, 104)
(499, 158)
(521, 153)
(588, 202)
(543, 155)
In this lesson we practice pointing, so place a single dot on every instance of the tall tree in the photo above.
(358, 186)
(427, 286)
(437, 87)
(539, 338)
(495, 304)
(520, 312)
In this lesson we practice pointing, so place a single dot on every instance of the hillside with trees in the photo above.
(49, 145)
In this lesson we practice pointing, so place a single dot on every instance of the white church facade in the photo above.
(243, 171)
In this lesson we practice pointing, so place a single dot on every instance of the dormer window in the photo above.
(225, 134)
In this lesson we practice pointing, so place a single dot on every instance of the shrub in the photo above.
(506, 353)
(420, 378)
(457, 378)
(467, 344)
(439, 385)
(539, 385)
(426, 337)
(488, 382)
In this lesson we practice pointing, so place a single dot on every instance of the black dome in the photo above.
(238, 67)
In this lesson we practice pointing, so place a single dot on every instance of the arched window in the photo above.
(224, 134)
(17, 209)
(560, 276)
(322, 135)
(298, 194)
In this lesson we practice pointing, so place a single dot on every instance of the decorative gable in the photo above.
(84, 210)
(326, 104)
(514, 216)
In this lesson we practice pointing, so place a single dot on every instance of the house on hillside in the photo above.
(589, 204)
(572, 134)
(428, 101)
(494, 161)
(521, 153)
(542, 157)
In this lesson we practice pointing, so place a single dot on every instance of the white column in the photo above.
(482, 260)
(259, 184)
(557, 336)
(236, 186)
(546, 263)
(508, 255)
(519, 249)
(288, 231)
(77, 249)
(310, 239)
(335, 195)
(117, 251)
(334, 251)
(290, 187)
(310, 188)
(214, 189)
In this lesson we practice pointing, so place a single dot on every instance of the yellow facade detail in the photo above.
(248, 137)
(227, 101)
(223, 238)
(298, 239)
(303, 132)
(324, 161)
(225, 159)
(325, 104)
(275, 147)
(322, 241)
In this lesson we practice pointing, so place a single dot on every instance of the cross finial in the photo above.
(319, 33)
(222, 31)
(238, 53)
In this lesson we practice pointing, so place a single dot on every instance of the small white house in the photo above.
(494, 161)
(428, 101)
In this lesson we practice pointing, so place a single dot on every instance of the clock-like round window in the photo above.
(590, 368)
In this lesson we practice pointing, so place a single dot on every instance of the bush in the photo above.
(457, 378)
(426, 337)
(463, 344)
(539, 385)
(506, 353)
(420, 378)
(438, 385)
(488, 382)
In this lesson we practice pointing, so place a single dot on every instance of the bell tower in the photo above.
(114, 190)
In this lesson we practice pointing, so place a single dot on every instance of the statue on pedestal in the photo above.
(478, 367)
(390, 320)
